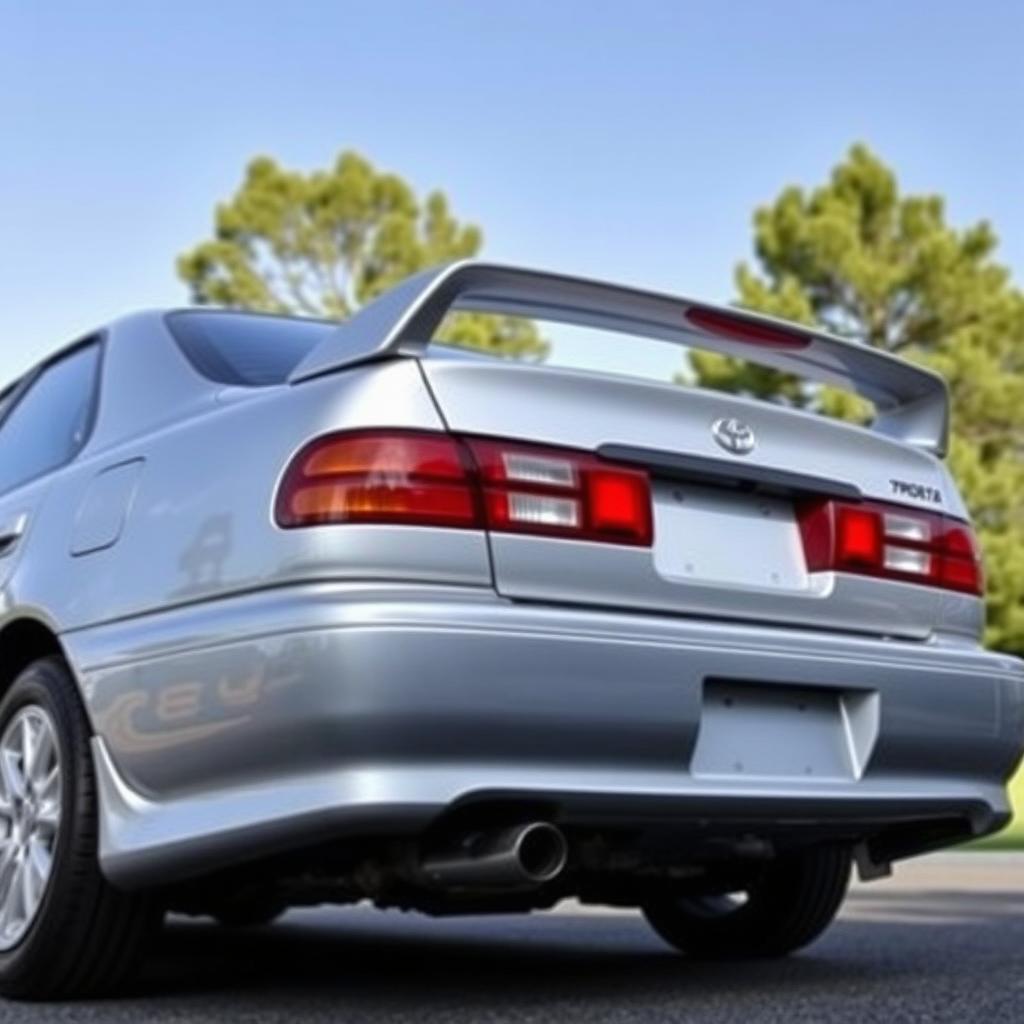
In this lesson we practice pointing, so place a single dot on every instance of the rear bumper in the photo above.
(227, 731)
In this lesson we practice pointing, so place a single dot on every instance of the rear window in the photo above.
(246, 349)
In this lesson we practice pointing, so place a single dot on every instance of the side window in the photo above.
(51, 422)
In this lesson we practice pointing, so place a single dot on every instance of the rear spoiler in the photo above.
(912, 403)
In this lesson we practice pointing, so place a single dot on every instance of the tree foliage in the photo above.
(863, 261)
(326, 242)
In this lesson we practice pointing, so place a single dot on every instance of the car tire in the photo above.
(83, 937)
(792, 902)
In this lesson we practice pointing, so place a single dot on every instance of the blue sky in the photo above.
(623, 140)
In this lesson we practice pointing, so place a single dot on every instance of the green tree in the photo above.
(326, 242)
(859, 259)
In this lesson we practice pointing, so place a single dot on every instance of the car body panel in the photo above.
(553, 407)
(254, 688)
(101, 516)
(201, 522)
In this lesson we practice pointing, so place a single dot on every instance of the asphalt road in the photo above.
(943, 941)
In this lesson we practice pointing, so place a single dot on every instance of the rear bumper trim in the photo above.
(277, 719)
(144, 842)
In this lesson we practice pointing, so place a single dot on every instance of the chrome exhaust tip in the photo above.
(519, 856)
(541, 851)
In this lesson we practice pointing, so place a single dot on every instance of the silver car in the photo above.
(295, 612)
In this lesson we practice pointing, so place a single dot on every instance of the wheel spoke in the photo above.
(29, 888)
(6, 878)
(6, 868)
(48, 816)
(15, 899)
(10, 771)
(41, 861)
(37, 762)
(27, 738)
(49, 786)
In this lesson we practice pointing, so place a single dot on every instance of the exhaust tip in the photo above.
(527, 854)
(541, 851)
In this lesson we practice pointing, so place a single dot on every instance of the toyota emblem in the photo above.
(733, 435)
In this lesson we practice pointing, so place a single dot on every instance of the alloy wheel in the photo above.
(30, 813)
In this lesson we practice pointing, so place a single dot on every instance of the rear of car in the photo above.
(463, 635)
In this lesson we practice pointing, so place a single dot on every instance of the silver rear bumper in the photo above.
(227, 731)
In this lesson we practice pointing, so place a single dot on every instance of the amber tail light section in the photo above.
(433, 479)
(394, 477)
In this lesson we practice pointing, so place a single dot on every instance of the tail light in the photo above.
(431, 479)
(892, 542)
(561, 492)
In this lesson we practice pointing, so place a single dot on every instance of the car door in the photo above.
(45, 423)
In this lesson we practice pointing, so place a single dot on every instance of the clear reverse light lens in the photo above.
(908, 560)
(543, 510)
(907, 527)
(536, 469)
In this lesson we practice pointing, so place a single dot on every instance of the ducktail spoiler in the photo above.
(912, 403)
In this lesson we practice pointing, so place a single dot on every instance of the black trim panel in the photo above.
(729, 473)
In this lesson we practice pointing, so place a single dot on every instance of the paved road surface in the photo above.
(943, 941)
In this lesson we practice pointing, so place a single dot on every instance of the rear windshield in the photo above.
(246, 349)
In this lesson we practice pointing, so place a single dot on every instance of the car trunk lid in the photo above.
(727, 543)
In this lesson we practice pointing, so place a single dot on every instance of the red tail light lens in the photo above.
(562, 492)
(414, 477)
(961, 567)
(859, 536)
(893, 542)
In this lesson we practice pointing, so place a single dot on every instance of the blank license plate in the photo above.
(762, 730)
(705, 534)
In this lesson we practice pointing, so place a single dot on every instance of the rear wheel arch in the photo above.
(81, 935)
(23, 641)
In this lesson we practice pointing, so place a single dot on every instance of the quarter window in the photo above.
(51, 421)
